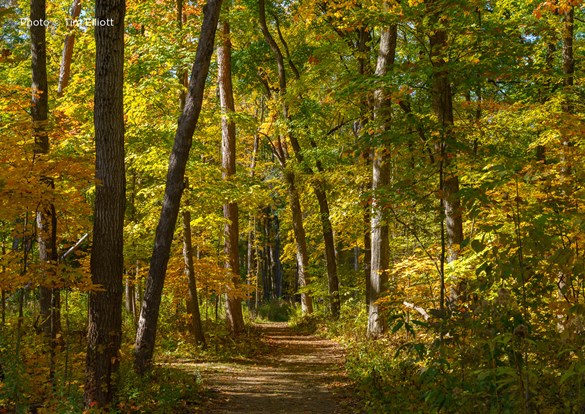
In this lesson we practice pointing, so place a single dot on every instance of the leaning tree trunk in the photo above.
(67, 55)
(107, 261)
(380, 181)
(146, 333)
(228, 161)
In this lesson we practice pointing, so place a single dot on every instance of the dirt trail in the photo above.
(299, 374)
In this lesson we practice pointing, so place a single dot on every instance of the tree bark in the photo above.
(380, 181)
(330, 259)
(364, 67)
(228, 152)
(193, 301)
(67, 55)
(146, 333)
(443, 108)
(49, 297)
(107, 261)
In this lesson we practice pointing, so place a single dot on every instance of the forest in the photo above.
(333, 206)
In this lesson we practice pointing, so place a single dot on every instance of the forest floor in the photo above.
(294, 373)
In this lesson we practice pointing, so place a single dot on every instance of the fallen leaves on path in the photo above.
(298, 374)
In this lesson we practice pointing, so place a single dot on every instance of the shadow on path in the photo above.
(299, 374)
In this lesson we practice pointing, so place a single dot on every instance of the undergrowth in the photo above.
(482, 364)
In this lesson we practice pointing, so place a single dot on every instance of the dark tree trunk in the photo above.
(67, 55)
(443, 107)
(146, 333)
(107, 261)
(193, 301)
(380, 181)
(331, 260)
(364, 67)
(49, 298)
(228, 151)
(40, 99)
(327, 230)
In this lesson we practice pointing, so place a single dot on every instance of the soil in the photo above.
(297, 374)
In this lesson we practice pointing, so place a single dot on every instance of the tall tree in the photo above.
(442, 101)
(289, 174)
(380, 181)
(107, 260)
(49, 299)
(146, 333)
(319, 190)
(228, 163)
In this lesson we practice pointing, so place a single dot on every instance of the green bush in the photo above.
(275, 311)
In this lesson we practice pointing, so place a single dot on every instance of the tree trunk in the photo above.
(250, 255)
(130, 296)
(380, 181)
(364, 67)
(300, 241)
(267, 262)
(193, 301)
(367, 224)
(327, 229)
(49, 298)
(252, 224)
(146, 333)
(443, 107)
(228, 152)
(67, 55)
(275, 259)
(107, 261)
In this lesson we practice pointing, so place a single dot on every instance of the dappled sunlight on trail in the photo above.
(299, 374)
